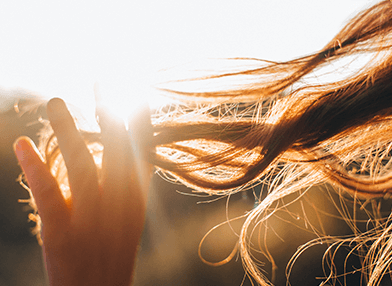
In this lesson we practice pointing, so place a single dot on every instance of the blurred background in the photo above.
(52, 48)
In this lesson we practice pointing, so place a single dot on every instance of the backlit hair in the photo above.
(289, 131)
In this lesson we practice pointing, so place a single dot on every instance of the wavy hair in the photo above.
(284, 129)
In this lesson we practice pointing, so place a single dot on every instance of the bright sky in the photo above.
(61, 48)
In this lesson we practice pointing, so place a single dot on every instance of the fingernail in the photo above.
(22, 143)
(57, 109)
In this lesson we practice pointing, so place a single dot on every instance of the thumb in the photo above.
(47, 195)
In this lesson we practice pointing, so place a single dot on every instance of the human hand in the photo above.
(92, 238)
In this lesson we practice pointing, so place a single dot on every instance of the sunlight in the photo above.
(123, 44)
(123, 100)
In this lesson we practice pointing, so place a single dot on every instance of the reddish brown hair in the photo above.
(335, 132)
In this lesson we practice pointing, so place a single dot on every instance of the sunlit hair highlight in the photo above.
(337, 132)
(284, 129)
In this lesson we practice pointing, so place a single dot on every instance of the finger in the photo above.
(115, 164)
(141, 136)
(82, 171)
(124, 223)
(47, 195)
(141, 132)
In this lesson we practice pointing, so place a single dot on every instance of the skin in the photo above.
(92, 238)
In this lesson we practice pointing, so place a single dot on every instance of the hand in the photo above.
(92, 238)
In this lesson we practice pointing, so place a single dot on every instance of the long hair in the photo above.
(284, 130)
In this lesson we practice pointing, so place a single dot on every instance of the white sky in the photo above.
(61, 48)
